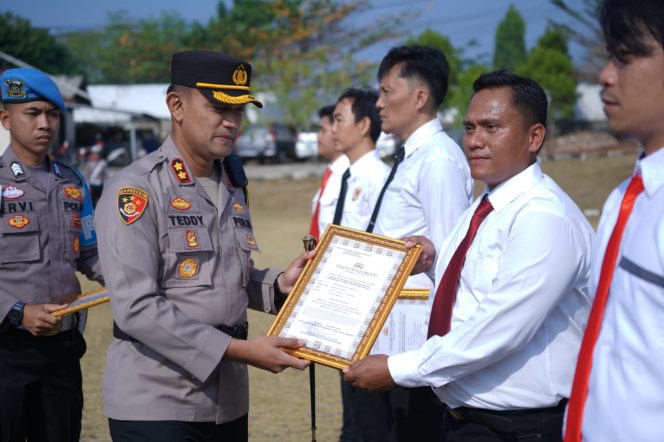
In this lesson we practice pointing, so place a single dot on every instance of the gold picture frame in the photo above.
(343, 296)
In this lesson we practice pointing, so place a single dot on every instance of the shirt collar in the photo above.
(340, 164)
(422, 135)
(651, 169)
(516, 186)
(361, 162)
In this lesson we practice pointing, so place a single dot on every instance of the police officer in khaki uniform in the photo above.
(175, 238)
(46, 235)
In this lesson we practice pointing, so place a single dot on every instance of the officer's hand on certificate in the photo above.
(287, 279)
(39, 321)
(266, 352)
(428, 255)
(370, 373)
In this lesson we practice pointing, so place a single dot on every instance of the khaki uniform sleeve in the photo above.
(261, 290)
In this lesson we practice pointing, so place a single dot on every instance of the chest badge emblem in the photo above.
(12, 192)
(73, 192)
(192, 239)
(187, 268)
(180, 204)
(19, 221)
(132, 202)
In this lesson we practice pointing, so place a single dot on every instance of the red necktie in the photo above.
(313, 228)
(584, 364)
(441, 312)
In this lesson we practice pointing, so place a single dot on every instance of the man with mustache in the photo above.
(175, 237)
(511, 296)
(46, 236)
(619, 379)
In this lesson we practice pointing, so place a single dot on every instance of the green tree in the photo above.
(582, 27)
(510, 47)
(34, 46)
(549, 64)
(463, 90)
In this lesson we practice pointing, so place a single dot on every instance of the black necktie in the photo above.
(398, 158)
(342, 198)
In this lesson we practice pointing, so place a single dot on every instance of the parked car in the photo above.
(274, 143)
(306, 145)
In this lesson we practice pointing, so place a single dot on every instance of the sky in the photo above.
(460, 20)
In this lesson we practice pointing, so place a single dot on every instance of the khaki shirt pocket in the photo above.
(19, 238)
(188, 260)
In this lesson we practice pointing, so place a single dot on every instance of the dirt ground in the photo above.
(280, 211)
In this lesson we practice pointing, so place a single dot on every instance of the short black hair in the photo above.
(527, 95)
(423, 63)
(364, 105)
(326, 111)
(625, 24)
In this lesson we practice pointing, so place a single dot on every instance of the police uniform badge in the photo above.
(187, 268)
(19, 221)
(76, 244)
(192, 239)
(12, 192)
(180, 203)
(17, 169)
(239, 208)
(356, 193)
(180, 171)
(132, 202)
(73, 192)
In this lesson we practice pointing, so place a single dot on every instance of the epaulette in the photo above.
(235, 171)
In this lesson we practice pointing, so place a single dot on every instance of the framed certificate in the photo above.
(344, 295)
(85, 300)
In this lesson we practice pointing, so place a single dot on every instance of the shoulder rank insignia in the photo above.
(17, 169)
(180, 171)
(180, 203)
(12, 192)
(73, 192)
(56, 170)
(239, 208)
(19, 221)
(187, 268)
(131, 203)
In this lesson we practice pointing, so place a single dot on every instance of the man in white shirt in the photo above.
(430, 189)
(502, 360)
(355, 129)
(618, 387)
(325, 200)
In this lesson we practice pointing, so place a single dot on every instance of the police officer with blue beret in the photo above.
(175, 243)
(46, 235)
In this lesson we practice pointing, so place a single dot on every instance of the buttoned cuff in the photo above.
(261, 289)
(403, 368)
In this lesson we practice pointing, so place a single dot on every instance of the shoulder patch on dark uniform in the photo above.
(132, 202)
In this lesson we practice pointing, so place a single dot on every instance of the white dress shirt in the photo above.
(431, 189)
(625, 399)
(367, 176)
(328, 200)
(521, 306)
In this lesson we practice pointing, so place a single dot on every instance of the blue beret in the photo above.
(21, 85)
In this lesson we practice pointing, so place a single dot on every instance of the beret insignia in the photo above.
(132, 202)
(15, 88)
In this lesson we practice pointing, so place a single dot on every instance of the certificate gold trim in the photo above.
(84, 300)
(414, 294)
(368, 333)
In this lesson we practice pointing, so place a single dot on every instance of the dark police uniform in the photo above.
(180, 271)
(46, 235)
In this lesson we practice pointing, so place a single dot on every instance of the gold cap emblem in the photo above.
(240, 75)
(15, 89)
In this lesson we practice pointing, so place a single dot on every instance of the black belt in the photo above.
(236, 331)
(503, 421)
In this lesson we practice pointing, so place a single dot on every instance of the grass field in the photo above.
(280, 212)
